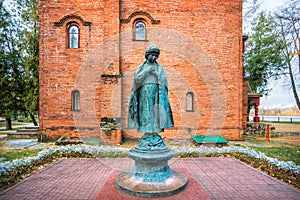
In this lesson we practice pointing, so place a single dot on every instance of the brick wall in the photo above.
(200, 44)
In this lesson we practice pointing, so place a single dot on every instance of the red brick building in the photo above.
(89, 51)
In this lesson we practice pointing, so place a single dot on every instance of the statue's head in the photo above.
(152, 50)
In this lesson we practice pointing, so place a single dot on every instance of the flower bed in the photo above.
(207, 151)
(12, 171)
(102, 151)
(285, 171)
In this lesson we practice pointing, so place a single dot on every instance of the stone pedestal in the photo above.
(151, 175)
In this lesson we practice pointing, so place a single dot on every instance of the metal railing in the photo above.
(288, 132)
(287, 119)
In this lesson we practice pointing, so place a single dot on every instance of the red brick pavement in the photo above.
(221, 178)
(192, 191)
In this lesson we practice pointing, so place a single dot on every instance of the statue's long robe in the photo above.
(149, 105)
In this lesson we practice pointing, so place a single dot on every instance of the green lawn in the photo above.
(275, 149)
(2, 144)
(285, 153)
(17, 154)
(14, 123)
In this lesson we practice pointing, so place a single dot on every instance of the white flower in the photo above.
(96, 150)
(244, 150)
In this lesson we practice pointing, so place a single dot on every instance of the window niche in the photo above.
(73, 29)
(73, 35)
(189, 102)
(140, 30)
(75, 100)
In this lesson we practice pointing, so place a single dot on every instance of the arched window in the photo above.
(73, 31)
(75, 100)
(189, 101)
(139, 30)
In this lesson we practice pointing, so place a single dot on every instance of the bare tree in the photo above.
(288, 21)
(250, 7)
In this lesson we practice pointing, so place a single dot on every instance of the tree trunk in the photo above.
(33, 119)
(8, 123)
(299, 60)
(294, 88)
(287, 54)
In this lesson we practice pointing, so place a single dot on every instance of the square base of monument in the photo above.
(130, 184)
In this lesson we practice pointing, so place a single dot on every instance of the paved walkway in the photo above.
(218, 178)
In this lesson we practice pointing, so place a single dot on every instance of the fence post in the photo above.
(268, 135)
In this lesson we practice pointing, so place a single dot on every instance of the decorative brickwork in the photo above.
(140, 13)
(201, 51)
(70, 17)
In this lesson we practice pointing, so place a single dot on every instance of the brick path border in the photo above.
(81, 178)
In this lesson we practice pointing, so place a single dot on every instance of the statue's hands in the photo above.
(151, 69)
